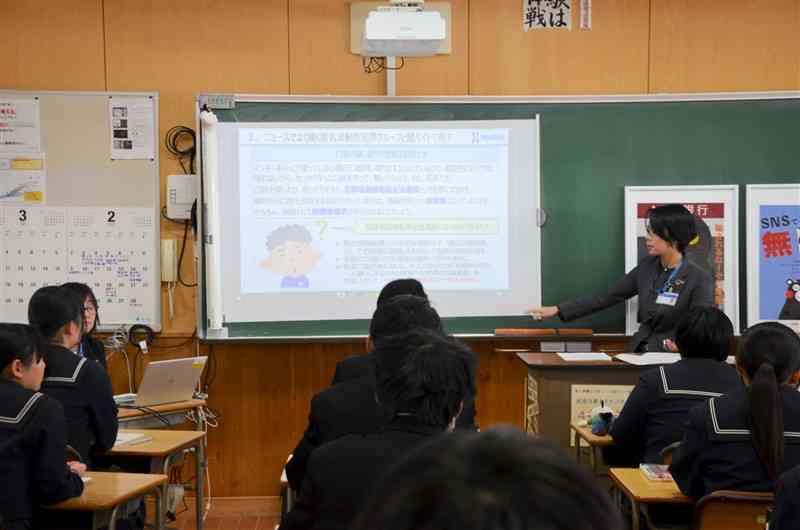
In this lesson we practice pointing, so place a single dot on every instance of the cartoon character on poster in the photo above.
(291, 255)
(779, 262)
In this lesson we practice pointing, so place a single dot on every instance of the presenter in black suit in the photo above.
(667, 284)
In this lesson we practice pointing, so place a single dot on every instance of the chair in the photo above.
(668, 452)
(725, 510)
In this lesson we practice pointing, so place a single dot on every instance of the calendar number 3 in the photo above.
(23, 216)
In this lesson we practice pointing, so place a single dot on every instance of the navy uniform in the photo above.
(84, 390)
(664, 296)
(33, 440)
(655, 413)
(786, 515)
(717, 451)
(94, 350)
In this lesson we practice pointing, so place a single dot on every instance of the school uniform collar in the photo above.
(60, 367)
(729, 417)
(411, 423)
(18, 404)
(670, 387)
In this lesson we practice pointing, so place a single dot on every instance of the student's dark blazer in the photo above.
(33, 441)
(717, 451)
(84, 390)
(349, 407)
(94, 350)
(786, 515)
(364, 366)
(656, 321)
(342, 474)
(655, 413)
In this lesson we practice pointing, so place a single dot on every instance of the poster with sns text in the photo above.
(716, 249)
(773, 254)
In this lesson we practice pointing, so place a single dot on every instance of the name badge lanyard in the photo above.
(670, 280)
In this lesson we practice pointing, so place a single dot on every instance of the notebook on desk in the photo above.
(169, 381)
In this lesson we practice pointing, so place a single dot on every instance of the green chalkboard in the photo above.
(589, 152)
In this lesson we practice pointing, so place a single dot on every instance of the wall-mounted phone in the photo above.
(169, 270)
(182, 190)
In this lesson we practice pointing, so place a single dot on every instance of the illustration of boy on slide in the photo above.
(291, 255)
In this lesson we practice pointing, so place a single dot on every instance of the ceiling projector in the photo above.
(402, 29)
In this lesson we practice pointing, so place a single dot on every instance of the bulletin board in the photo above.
(79, 201)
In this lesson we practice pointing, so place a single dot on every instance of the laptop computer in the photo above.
(169, 381)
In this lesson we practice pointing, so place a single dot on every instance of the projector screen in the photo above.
(314, 218)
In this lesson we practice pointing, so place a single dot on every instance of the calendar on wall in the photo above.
(96, 220)
(109, 249)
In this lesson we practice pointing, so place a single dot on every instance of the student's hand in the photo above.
(540, 313)
(77, 467)
(670, 346)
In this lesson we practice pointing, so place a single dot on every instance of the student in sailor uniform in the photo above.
(89, 347)
(668, 286)
(745, 439)
(786, 515)
(33, 434)
(655, 413)
(81, 385)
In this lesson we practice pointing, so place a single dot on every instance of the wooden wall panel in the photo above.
(610, 58)
(730, 45)
(442, 75)
(320, 58)
(50, 45)
(181, 49)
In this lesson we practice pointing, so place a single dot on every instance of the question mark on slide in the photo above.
(323, 225)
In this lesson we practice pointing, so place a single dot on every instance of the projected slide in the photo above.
(350, 209)
(317, 217)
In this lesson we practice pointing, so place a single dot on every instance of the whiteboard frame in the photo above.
(202, 321)
(156, 325)
(758, 195)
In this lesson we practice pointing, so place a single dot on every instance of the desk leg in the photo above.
(593, 456)
(577, 447)
(199, 470)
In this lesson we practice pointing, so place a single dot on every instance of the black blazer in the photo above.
(364, 366)
(342, 474)
(349, 407)
(657, 322)
(717, 451)
(656, 411)
(84, 390)
(786, 515)
(33, 441)
(94, 350)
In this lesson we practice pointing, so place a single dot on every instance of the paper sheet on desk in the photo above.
(588, 356)
(649, 359)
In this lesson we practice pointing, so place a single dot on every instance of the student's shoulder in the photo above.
(342, 391)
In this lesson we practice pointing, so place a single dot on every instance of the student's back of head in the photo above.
(400, 287)
(433, 378)
(501, 479)
(704, 332)
(53, 311)
(769, 357)
(401, 315)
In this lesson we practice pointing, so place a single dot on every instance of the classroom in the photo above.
(633, 105)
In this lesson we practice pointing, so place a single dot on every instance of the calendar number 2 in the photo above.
(111, 216)
(23, 216)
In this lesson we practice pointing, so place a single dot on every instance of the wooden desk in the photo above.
(173, 413)
(583, 432)
(548, 390)
(163, 446)
(106, 492)
(642, 492)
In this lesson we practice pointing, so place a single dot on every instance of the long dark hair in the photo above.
(769, 354)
